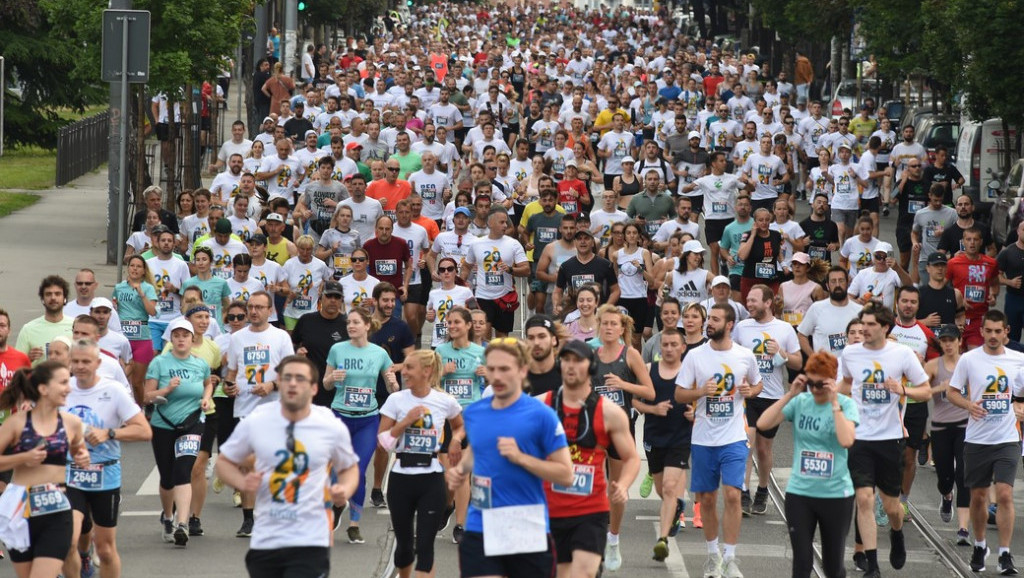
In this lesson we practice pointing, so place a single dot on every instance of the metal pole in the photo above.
(123, 150)
(3, 89)
(239, 85)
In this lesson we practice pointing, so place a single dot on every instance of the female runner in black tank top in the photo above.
(39, 461)
(620, 375)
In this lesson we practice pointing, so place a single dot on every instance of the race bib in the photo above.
(302, 304)
(817, 253)
(342, 262)
(996, 404)
(652, 227)
(914, 206)
(792, 317)
(974, 294)
(428, 194)
(494, 279)
(359, 397)
(419, 441)
(816, 464)
(164, 306)
(764, 270)
(582, 481)
(719, 407)
(570, 207)
(187, 445)
(441, 331)
(480, 492)
(546, 234)
(88, 478)
(46, 499)
(874, 395)
(612, 394)
(719, 208)
(460, 389)
(581, 280)
(386, 267)
(765, 363)
(131, 329)
(837, 341)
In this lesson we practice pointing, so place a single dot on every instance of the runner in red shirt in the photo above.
(976, 275)
(572, 192)
(389, 190)
(580, 513)
(390, 258)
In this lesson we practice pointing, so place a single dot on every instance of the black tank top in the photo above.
(941, 301)
(672, 430)
(617, 367)
(629, 189)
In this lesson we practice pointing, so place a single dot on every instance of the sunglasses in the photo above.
(358, 259)
(235, 317)
(446, 269)
(815, 384)
(394, 169)
(913, 166)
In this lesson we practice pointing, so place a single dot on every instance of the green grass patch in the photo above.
(10, 202)
(31, 168)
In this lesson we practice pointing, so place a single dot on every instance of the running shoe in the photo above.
(612, 557)
(760, 505)
(236, 499)
(377, 498)
(677, 522)
(1006, 567)
(88, 569)
(646, 485)
(922, 454)
(881, 518)
(697, 521)
(872, 574)
(355, 536)
(195, 526)
(713, 566)
(978, 558)
(245, 531)
(217, 485)
(168, 527)
(446, 518)
(745, 503)
(885, 210)
(992, 515)
(963, 537)
(906, 511)
(860, 561)
(731, 569)
(337, 511)
(946, 508)
(457, 533)
(661, 550)
(181, 536)
(897, 549)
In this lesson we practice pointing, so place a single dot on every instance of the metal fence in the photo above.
(82, 147)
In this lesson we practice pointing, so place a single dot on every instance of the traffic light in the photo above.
(302, 6)
(408, 3)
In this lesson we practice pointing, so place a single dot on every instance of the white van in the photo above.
(984, 154)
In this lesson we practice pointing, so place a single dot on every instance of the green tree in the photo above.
(39, 69)
(801, 20)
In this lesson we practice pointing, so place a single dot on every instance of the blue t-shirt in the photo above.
(362, 365)
(134, 318)
(819, 462)
(496, 482)
(185, 398)
(463, 384)
(394, 336)
(214, 289)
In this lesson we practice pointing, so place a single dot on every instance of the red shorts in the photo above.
(142, 350)
(972, 333)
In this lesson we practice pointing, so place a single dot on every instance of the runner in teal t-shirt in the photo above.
(216, 292)
(361, 364)
(462, 362)
(135, 299)
(184, 399)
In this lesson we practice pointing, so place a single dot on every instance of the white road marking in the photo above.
(648, 518)
(674, 563)
(151, 485)
(142, 514)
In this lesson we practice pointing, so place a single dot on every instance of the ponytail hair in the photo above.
(25, 384)
(429, 358)
(367, 318)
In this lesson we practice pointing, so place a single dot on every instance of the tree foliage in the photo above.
(39, 71)
(800, 20)
(357, 15)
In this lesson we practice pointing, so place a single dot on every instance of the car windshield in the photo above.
(849, 88)
(943, 135)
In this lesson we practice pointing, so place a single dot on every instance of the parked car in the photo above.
(1006, 210)
(934, 130)
(893, 111)
(985, 152)
(845, 95)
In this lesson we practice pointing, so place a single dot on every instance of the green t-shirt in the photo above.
(39, 333)
(185, 398)
(730, 242)
(134, 317)
(819, 463)
(463, 384)
(214, 289)
(409, 164)
(358, 393)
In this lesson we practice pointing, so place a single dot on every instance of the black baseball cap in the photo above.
(938, 258)
(333, 288)
(578, 348)
(540, 321)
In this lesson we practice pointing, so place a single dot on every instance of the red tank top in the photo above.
(589, 492)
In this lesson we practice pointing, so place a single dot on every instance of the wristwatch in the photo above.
(112, 433)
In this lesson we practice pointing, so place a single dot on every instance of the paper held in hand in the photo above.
(515, 530)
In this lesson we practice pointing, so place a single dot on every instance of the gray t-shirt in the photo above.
(314, 197)
(929, 224)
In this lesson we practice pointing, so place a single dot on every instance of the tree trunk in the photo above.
(188, 153)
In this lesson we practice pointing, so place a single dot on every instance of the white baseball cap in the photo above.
(720, 280)
(693, 246)
(181, 323)
(101, 302)
(693, 134)
(882, 247)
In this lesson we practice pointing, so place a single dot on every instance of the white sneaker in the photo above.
(612, 557)
(731, 569)
(713, 566)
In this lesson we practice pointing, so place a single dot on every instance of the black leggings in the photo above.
(948, 453)
(174, 471)
(832, 516)
(424, 496)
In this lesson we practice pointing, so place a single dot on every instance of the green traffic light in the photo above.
(302, 6)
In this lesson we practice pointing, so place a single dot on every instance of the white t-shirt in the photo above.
(719, 195)
(255, 355)
(441, 301)
(364, 215)
(223, 255)
(880, 409)
(415, 236)
(669, 228)
(845, 191)
(858, 253)
(601, 222)
(242, 291)
(431, 188)
(224, 187)
(358, 293)
(719, 420)
(826, 323)
(291, 500)
(231, 148)
(792, 230)
(305, 280)
(106, 405)
(72, 309)
(193, 226)
(990, 379)
(486, 253)
(117, 344)
(175, 271)
(283, 183)
(425, 435)
(267, 273)
(884, 284)
(753, 334)
(618, 143)
(764, 169)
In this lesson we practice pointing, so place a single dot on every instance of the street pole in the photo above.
(3, 89)
(114, 164)
(288, 46)
(122, 154)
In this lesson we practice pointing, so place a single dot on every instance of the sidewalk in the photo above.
(63, 232)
